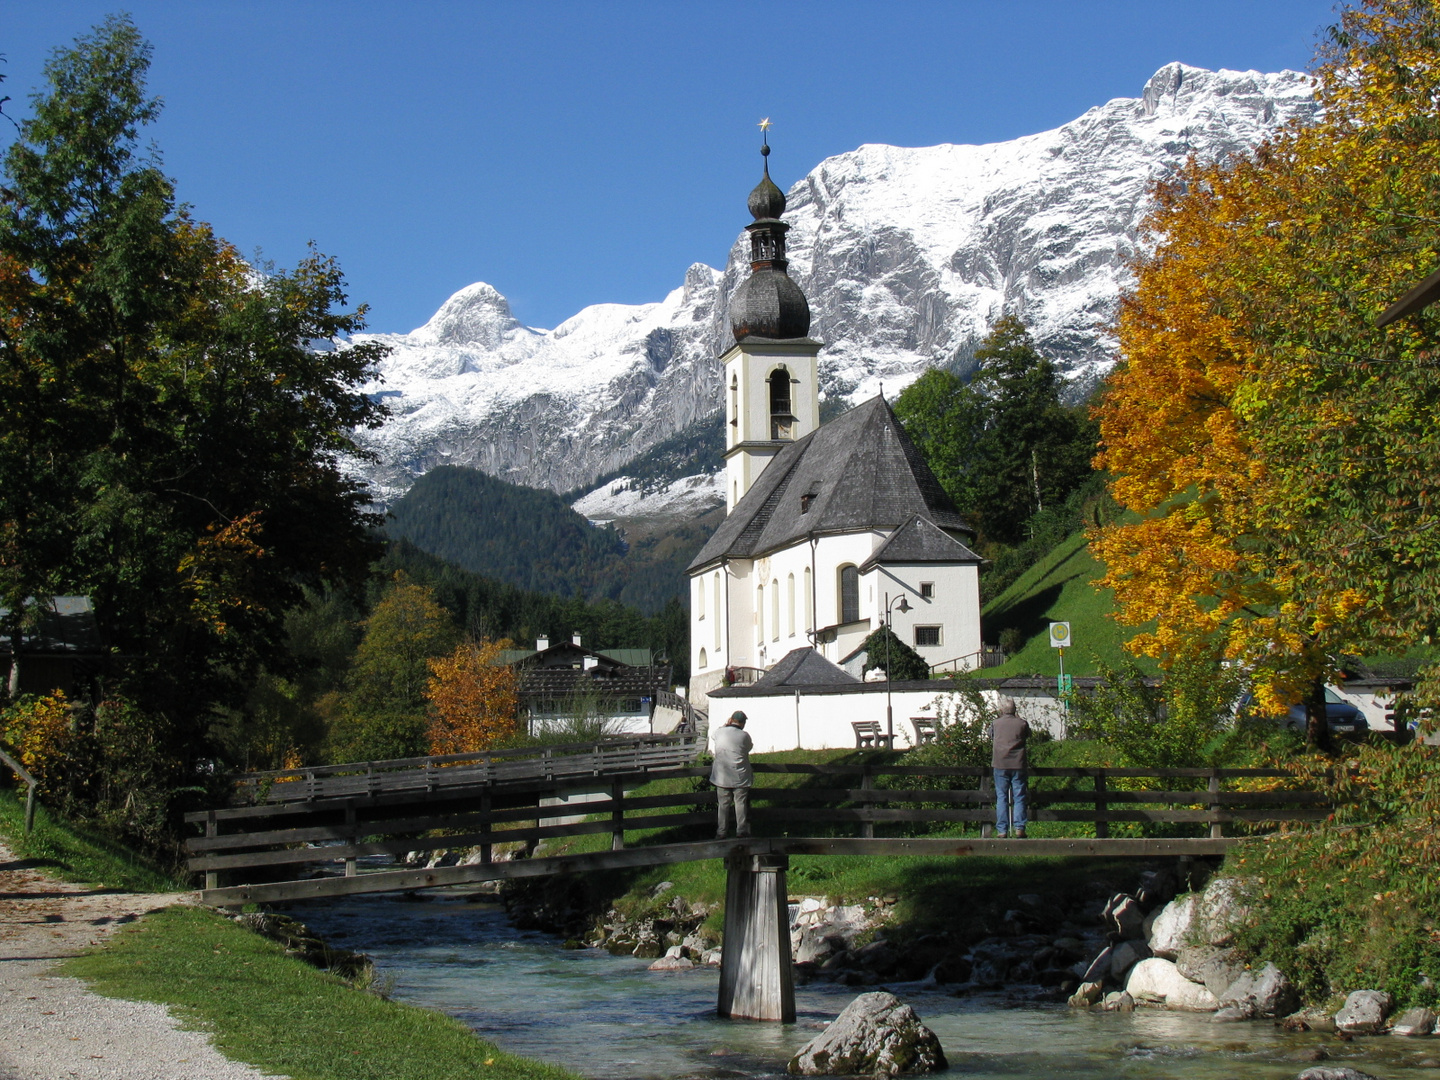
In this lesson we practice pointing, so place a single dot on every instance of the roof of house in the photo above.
(919, 541)
(568, 654)
(64, 624)
(805, 667)
(860, 471)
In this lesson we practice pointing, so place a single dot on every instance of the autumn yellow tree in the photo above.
(473, 698)
(1275, 447)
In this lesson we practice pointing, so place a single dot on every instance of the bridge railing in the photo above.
(276, 841)
(626, 754)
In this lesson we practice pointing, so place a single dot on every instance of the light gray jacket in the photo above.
(732, 758)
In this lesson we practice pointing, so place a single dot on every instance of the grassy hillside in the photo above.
(1058, 588)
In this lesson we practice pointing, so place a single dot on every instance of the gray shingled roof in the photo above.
(920, 541)
(862, 472)
(805, 667)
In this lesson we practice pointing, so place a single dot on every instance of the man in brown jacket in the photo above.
(1008, 757)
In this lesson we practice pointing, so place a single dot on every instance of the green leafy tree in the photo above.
(884, 650)
(170, 439)
(382, 713)
(1033, 451)
(945, 417)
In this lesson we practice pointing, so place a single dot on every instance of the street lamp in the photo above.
(902, 607)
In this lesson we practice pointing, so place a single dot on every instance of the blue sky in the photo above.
(580, 153)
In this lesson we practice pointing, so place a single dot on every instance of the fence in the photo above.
(834, 801)
(30, 786)
(429, 774)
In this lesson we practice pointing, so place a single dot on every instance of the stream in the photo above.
(608, 1018)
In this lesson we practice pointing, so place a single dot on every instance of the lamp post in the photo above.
(902, 606)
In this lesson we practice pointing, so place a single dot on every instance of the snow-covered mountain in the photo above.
(906, 256)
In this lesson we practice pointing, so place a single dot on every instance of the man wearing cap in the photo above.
(732, 776)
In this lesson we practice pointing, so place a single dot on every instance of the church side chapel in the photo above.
(827, 527)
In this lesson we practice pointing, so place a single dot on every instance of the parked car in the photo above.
(1342, 717)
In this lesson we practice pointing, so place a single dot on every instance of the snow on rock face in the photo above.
(623, 497)
(907, 255)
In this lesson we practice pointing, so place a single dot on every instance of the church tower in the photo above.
(772, 392)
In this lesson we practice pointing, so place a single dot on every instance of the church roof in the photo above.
(919, 541)
(860, 471)
(805, 667)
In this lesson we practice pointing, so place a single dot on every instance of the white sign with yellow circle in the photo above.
(1059, 635)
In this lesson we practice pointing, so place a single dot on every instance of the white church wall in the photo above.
(954, 606)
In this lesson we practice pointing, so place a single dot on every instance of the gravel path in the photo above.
(53, 1028)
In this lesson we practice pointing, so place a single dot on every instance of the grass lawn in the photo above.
(1058, 589)
(73, 853)
(281, 1015)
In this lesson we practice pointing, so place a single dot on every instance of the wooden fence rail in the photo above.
(257, 843)
(632, 754)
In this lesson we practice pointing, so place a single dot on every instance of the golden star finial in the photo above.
(765, 124)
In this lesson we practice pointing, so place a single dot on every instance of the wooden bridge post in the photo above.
(617, 815)
(1217, 830)
(756, 982)
(212, 828)
(1102, 806)
(867, 783)
(351, 834)
(987, 787)
(486, 849)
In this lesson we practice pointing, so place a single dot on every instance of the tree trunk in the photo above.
(12, 687)
(1035, 479)
(1317, 724)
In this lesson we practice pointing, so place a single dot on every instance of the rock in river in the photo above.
(876, 1035)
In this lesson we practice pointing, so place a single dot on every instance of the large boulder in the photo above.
(1170, 932)
(1221, 911)
(1157, 981)
(1123, 916)
(1328, 1072)
(1125, 956)
(1266, 992)
(1364, 1012)
(1216, 968)
(1419, 1021)
(876, 1035)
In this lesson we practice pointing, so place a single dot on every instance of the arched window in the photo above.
(760, 613)
(809, 600)
(781, 418)
(790, 605)
(704, 660)
(775, 610)
(849, 594)
(700, 600)
(734, 401)
(716, 620)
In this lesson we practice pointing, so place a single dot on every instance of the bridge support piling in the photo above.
(756, 981)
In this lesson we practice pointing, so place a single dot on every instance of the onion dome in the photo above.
(767, 200)
(769, 304)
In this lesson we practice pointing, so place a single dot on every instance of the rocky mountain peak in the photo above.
(906, 254)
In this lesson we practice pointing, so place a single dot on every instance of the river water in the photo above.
(608, 1018)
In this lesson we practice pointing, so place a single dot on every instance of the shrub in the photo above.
(1354, 903)
(42, 733)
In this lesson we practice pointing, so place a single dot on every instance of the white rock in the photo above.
(1221, 911)
(1125, 956)
(876, 1035)
(1157, 981)
(1170, 931)
(1419, 1021)
(1364, 1012)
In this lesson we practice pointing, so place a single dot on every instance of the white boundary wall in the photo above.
(822, 721)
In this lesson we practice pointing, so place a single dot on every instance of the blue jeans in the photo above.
(1010, 784)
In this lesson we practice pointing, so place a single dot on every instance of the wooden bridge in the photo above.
(300, 835)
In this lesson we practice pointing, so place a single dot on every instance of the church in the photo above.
(829, 528)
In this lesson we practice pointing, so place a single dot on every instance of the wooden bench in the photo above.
(868, 735)
(927, 729)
